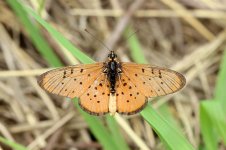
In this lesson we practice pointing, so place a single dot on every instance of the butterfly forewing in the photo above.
(70, 81)
(96, 98)
(128, 97)
(153, 81)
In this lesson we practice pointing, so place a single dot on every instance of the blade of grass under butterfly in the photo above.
(166, 131)
(12, 144)
(97, 129)
(164, 111)
(118, 138)
(94, 123)
(34, 33)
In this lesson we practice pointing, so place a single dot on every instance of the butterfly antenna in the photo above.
(97, 40)
(132, 34)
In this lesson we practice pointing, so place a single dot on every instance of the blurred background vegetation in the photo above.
(185, 35)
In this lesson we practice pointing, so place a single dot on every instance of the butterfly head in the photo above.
(112, 56)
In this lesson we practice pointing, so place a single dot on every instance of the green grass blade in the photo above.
(97, 128)
(212, 118)
(12, 144)
(212, 112)
(164, 111)
(220, 93)
(61, 39)
(206, 125)
(118, 138)
(134, 46)
(34, 33)
(168, 133)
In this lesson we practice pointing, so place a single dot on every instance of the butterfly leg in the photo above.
(119, 68)
(105, 70)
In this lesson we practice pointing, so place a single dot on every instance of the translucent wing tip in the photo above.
(40, 79)
(182, 79)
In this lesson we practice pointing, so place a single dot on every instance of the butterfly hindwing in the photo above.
(96, 98)
(70, 81)
(129, 99)
(153, 81)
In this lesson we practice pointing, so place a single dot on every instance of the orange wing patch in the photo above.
(95, 100)
(129, 99)
(70, 81)
(153, 81)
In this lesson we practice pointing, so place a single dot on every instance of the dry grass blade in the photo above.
(52, 129)
(200, 13)
(131, 133)
(189, 18)
(22, 73)
(116, 34)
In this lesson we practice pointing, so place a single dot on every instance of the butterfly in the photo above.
(112, 86)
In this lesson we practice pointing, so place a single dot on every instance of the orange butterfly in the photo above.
(112, 86)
